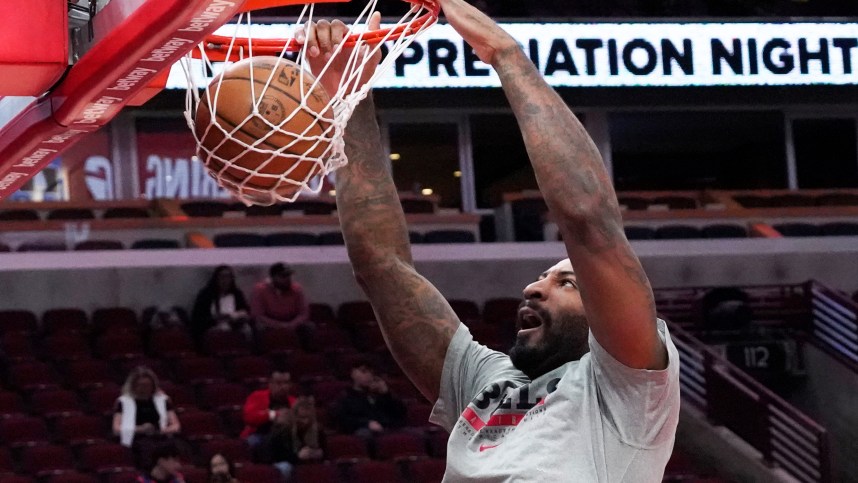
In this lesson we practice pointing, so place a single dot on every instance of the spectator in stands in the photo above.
(278, 301)
(166, 466)
(220, 305)
(221, 470)
(155, 317)
(143, 415)
(267, 414)
(368, 407)
(302, 443)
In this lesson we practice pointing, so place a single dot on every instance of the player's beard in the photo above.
(563, 339)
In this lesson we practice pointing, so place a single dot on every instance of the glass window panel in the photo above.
(825, 153)
(428, 158)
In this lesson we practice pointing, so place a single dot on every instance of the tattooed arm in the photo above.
(416, 320)
(614, 288)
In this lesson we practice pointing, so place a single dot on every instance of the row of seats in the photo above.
(684, 232)
(89, 245)
(797, 200)
(217, 209)
(225, 240)
(74, 214)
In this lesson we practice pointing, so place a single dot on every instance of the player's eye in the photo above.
(568, 283)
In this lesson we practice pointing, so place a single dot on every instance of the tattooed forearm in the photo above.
(567, 164)
(415, 319)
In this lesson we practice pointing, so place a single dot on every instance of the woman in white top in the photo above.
(220, 305)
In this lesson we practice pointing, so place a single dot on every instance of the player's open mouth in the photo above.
(528, 320)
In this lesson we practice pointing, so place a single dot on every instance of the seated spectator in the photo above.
(303, 438)
(155, 317)
(278, 301)
(267, 415)
(165, 467)
(368, 407)
(143, 415)
(221, 470)
(220, 305)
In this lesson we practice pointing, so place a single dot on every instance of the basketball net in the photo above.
(363, 45)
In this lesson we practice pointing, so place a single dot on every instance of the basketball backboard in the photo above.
(118, 52)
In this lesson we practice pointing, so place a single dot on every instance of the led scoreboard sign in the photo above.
(632, 54)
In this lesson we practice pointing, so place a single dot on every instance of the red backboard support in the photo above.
(146, 37)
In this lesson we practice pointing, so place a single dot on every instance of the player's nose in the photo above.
(535, 291)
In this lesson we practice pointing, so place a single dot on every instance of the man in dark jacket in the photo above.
(368, 407)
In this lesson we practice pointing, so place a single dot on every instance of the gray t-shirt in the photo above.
(591, 420)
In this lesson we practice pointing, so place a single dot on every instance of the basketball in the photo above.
(284, 138)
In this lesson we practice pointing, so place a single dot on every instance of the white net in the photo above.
(274, 153)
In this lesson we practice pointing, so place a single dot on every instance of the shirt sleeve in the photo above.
(640, 405)
(468, 368)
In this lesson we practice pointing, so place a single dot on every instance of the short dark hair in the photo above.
(280, 268)
(163, 451)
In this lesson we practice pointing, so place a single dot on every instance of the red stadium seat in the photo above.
(89, 373)
(330, 338)
(18, 479)
(501, 310)
(65, 320)
(11, 405)
(171, 343)
(195, 475)
(102, 400)
(119, 345)
(367, 336)
(438, 444)
(106, 458)
(329, 391)
(7, 465)
(418, 415)
(345, 447)
(114, 319)
(124, 476)
(427, 471)
(235, 450)
(66, 345)
(73, 478)
(81, 430)
(181, 396)
(321, 313)
(399, 446)
(321, 472)
(350, 313)
(258, 474)
(278, 340)
(158, 366)
(22, 321)
(251, 370)
(466, 310)
(220, 396)
(23, 431)
(374, 471)
(306, 366)
(201, 426)
(17, 347)
(33, 376)
(197, 370)
(403, 388)
(55, 403)
(45, 460)
(226, 344)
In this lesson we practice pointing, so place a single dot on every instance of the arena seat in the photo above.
(322, 313)
(677, 232)
(181, 395)
(398, 446)
(427, 471)
(99, 245)
(329, 338)
(639, 232)
(101, 400)
(7, 465)
(89, 374)
(5, 248)
(449, 236)
(753, 201)
(106, 458)
(55, 403)
(71, 214)
(527, 218)
(797, 229)
(250, 370)
(346, 448)
(65, 320)
(278, 341)
(285, 239)
(235, 450)
(22, 321)
(329, 390)
(44, 460)
(501, 310)
(32, 376)
(417, 415)
(466, 310)
(316, 473)
(66, 346)
(837, 199)
(349, 313)
(114, 319)
(792, 200)
(416, 238)
(374, 471)
(839, 229)
(331, 238)
(125, 212)
(81, 430)
(198, 370)
(235, 240)
(119, 345)
(16, 348)
(154, 244)
(308, 366)
(170, 343)
(633, 202)
(198, 426)
(205, 209)
(221, 344)
(11, 405)
(221, 396)
(367, 336)
(19, 215)
(676, 202)
(42, 247)
(437, 441)
(310, 207)
(73, 477)
(724, 231)
(258, 474)
(23, 431)
(417, 205)
(257, 210)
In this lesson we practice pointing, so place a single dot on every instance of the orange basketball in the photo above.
(233, 100)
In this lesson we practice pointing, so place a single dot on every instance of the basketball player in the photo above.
(590, 390)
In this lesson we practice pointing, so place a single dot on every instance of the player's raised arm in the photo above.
(615, 291)
(416, 320)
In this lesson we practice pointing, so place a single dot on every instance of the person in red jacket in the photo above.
(264, 412)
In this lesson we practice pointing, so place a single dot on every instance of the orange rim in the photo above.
(217, 47)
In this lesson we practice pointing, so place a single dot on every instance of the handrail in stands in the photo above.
(785, 436)
(835, 322)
